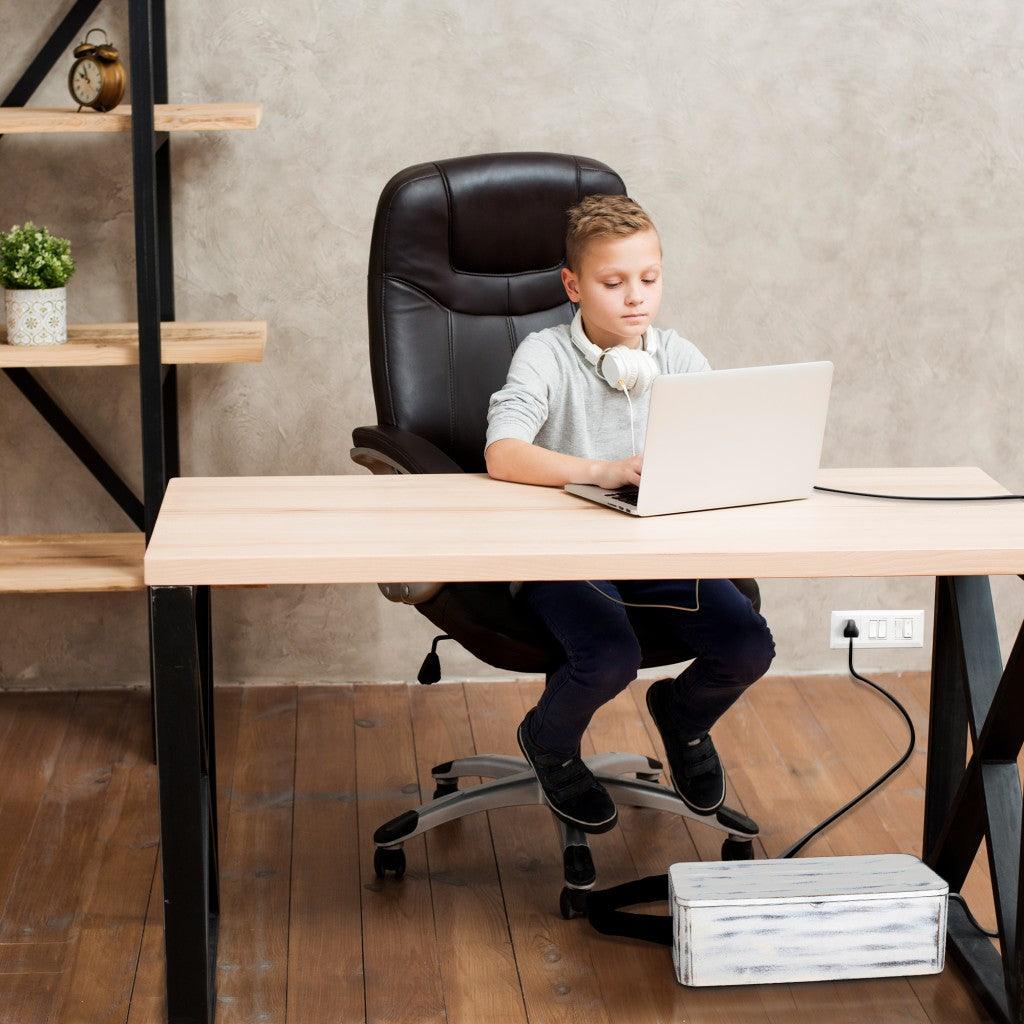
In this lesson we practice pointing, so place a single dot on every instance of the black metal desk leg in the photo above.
(190, 928)
(983, 800)
(947, 718)
(204, 636)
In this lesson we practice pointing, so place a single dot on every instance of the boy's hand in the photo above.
(620, 473)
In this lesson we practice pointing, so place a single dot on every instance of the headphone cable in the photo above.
(633, 604)
(629, 401)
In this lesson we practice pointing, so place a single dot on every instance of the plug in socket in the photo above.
(879, 628)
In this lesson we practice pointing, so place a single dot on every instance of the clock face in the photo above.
(86, 81)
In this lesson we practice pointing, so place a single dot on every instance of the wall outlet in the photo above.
(879, 628)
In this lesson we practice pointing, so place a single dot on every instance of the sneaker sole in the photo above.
(696, 808)
(584, 826)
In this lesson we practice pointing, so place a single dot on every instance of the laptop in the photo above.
(721, 438)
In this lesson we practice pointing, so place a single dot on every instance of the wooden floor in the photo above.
(472, 933)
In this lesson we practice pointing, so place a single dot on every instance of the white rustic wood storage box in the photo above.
(806, 919)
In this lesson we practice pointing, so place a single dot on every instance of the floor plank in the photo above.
(32, 728)
(325, 958)
(97, 983)
(46, 894)
(252, 956)
(478, 966)
(28, 998)
(32, 957)
(559, 981)
(400, 956)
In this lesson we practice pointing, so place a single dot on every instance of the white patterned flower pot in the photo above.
(36, 316)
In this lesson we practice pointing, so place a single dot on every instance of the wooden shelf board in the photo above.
(167, 117)
(71, 563)
(118, 345)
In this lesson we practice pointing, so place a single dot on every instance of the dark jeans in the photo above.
(602, 641)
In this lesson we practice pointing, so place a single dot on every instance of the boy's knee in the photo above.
(610, 666)
(757, 651)
(752, 651)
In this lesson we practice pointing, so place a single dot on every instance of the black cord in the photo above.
(970, 917)
(851, 631)
(805, 839)
(925, 497)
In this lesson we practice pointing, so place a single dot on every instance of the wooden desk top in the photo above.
(450, 527)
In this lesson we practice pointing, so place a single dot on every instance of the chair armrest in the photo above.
(401, 450)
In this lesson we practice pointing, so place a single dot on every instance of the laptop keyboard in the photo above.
(628, 495)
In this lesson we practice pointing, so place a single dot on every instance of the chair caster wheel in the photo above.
(445, 789)
(649, 776)
(737, 849)
(572, 903)
(387, 859)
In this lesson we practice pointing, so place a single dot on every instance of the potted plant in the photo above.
(34, 267)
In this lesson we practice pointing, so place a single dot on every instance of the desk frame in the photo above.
(971, 692)
(181, 641)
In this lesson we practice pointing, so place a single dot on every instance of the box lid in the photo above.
(802, 880)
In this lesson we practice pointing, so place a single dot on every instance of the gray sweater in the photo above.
(553, 397)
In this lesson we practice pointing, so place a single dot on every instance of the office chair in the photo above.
(464, 263)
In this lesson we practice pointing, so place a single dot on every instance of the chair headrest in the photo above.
(485, 234)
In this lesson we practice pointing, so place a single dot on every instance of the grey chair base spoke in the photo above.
(496, 766)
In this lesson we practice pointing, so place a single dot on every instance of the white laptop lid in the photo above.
(734, 437)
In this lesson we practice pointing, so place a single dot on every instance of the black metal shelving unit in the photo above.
(158, 390)
(154, 272)
(139, 512)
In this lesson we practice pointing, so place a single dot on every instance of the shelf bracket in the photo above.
(79, 444)
(63, 36)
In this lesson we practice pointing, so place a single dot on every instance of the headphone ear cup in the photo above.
(629, 365)
(649, 369)
(612, 368)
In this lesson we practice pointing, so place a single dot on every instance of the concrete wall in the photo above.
(837, 180)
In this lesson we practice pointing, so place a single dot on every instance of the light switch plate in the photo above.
(885, 627)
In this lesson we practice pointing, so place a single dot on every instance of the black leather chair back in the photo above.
(464, 263)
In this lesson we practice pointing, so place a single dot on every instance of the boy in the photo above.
(555, 422)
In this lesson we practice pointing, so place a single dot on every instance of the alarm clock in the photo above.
(97, 77)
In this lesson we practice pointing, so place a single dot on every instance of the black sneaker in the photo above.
(569, 786)
(695, 769)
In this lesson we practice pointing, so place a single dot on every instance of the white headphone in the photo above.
(629, 370)
(626, 369)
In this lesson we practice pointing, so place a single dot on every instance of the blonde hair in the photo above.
(602, 217)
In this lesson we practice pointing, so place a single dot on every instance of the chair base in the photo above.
(515, 785)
